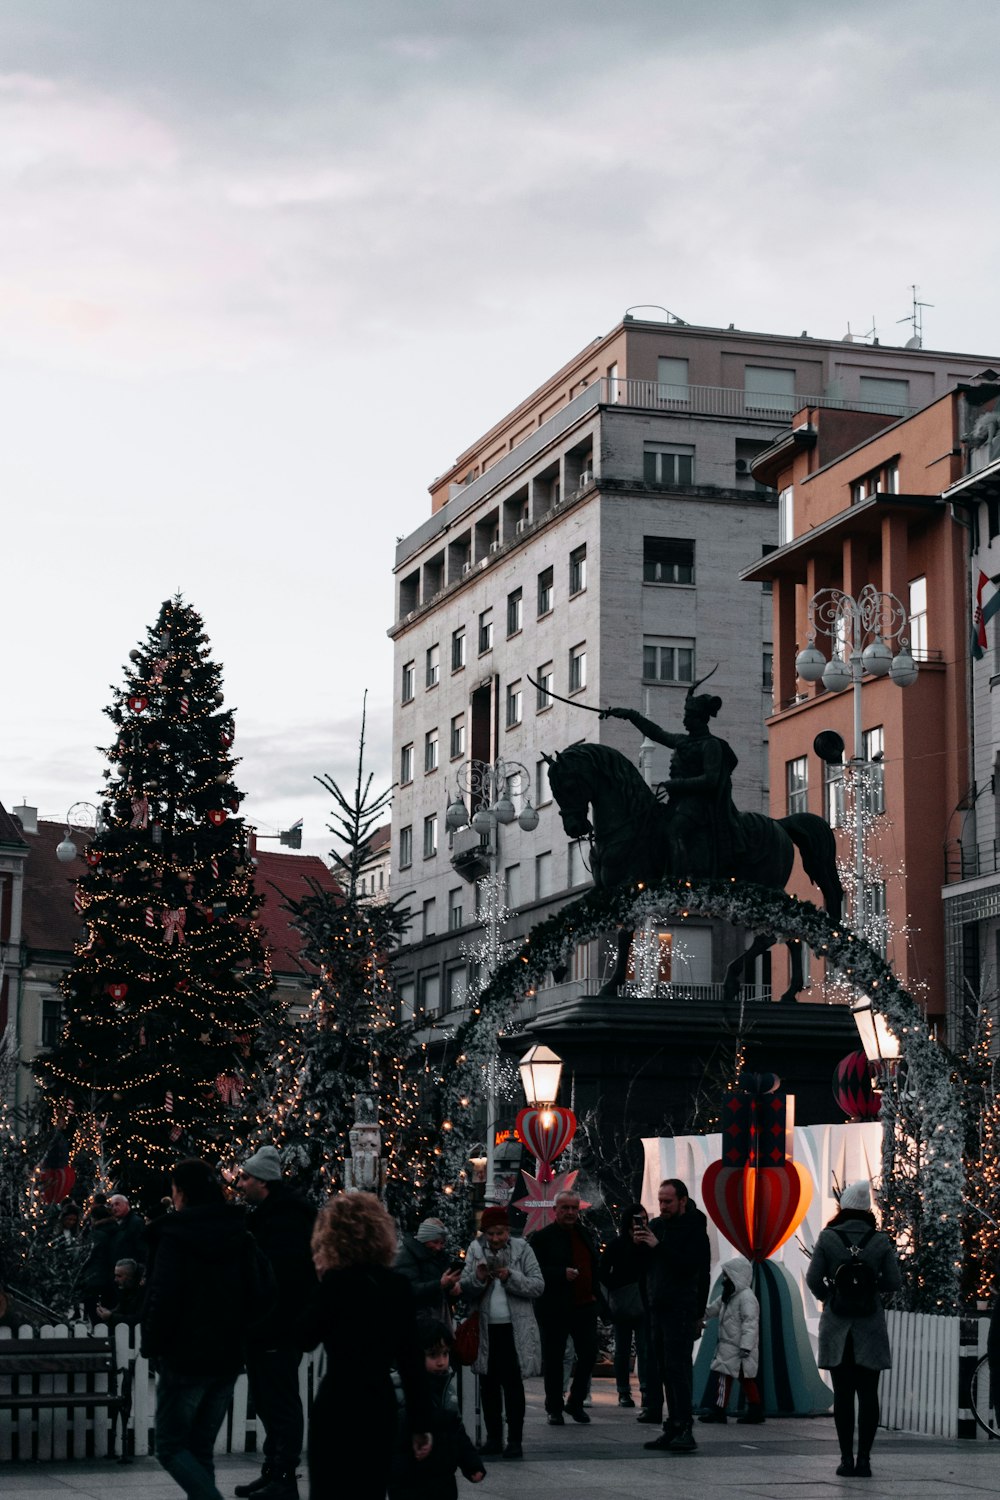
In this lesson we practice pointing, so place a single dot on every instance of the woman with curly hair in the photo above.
(363, 1314)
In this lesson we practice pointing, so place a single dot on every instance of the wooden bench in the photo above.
(24, 1361)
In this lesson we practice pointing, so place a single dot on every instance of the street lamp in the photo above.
(85, 820)
(880, 1045)
(861, 631)
(540, 1069)
(488, 788)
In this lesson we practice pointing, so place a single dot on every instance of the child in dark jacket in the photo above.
(433, 1477)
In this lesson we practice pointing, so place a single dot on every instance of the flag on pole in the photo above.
(986, 606)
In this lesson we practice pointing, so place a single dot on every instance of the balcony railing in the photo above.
(970, 861)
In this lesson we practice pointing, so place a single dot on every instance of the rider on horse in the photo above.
(703, 830)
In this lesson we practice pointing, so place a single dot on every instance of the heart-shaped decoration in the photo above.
(137, 703)
(118, 990)
(546, 1132)
(757, 1209)
(93, 857)
(217, 816)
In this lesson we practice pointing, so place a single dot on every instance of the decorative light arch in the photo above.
(758, 910)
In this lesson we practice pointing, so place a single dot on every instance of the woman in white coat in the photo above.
(502, 1279)
(738, 1349)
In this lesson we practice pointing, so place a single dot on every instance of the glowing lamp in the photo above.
(540, 1069)
(878, 1041)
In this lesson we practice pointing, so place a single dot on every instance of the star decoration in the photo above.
(540, 1204)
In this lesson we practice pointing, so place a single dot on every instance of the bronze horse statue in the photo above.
(628, 826)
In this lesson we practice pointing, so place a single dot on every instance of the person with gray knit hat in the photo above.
(853, 1266)
(432, 1273)
(281, 1221)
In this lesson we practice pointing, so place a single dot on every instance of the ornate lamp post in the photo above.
(861, 631)
(488, 789)
(83, 819)
(880, 1045)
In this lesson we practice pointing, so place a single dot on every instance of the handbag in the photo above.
(625, 1302)
(466, 1345)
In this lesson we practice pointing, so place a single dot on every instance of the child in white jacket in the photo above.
(736, 1352)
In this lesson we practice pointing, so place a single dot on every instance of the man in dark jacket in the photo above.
(129, 1239)
(97, 1279)
(205, 1277)
(423, 1259)
(281, 1222)
(677, 1287)
(567, 1309)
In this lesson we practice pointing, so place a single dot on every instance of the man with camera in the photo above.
(567, 1309)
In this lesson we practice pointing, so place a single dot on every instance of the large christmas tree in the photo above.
(349, 1043)
(171, 982)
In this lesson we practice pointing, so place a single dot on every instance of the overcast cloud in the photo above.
(268, 267)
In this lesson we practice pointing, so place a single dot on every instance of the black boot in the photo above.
(256, 1485)
(281, 1486)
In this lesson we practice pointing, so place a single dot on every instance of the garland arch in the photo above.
(934, 1097)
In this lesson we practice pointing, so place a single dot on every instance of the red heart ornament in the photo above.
(137, 703)
(757, 1209)
(93, 856)
(546, 1133)
(118, 991)
(217, 816)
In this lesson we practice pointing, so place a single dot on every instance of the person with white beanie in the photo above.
(432, 1273)
(852, 1268)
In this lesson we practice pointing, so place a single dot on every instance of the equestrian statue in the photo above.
(688, 826)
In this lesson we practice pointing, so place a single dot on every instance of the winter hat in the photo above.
(856, 1195)
(492, 1216)
(430, 1230)
(265, 1165)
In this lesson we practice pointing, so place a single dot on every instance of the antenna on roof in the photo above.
(671, 317)
(861, 338)
(916, 320)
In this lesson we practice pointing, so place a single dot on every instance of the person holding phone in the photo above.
(623, 1268)
(433, 1274)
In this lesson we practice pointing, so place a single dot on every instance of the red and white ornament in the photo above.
(217, 816)
(138, 702)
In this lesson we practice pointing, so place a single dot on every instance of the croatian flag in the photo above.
(986, 606)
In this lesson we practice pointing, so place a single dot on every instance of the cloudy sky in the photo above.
(267, 266)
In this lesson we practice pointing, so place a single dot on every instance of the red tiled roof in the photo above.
(49, 923)
(380, 839)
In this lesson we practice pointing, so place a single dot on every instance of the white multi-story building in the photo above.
(593, 540)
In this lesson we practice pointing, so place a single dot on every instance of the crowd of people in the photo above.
(217, 1286)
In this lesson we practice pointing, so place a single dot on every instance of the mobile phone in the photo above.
(638, 1221)
(457, 1265)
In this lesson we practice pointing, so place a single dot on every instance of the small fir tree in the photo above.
(171, 982)
(349, 1041)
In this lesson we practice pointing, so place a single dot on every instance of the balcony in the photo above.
(970, 861)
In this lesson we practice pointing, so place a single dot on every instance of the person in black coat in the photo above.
(568, 1308)
(433, 1477)
(281, 1222)
(206, 1283)
(129, 1239)
(677, 1287)
(623, 1274)
(362, 1312)
(424, 1260)
(97, 1279)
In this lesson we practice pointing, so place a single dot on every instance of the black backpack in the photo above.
(854, 1285)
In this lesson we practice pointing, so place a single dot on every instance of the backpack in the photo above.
(854, 1285)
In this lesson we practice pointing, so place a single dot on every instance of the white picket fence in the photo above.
(52, 1433)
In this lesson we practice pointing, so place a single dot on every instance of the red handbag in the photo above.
(466, 1346)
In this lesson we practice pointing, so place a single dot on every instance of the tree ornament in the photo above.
(138, 702)
(118, 990)
(225, 739)
(135, 655)
(93, 857)
(217, 816)
(174, 919)
(185, 704)
(140, 812)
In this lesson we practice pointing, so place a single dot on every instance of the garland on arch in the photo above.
(933, 1101)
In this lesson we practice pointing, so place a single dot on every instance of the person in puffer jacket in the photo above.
(738, 1348)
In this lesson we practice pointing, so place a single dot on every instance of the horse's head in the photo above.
(571, 792)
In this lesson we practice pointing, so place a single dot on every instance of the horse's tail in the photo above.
(813, 837)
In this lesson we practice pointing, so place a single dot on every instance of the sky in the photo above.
(268, 266)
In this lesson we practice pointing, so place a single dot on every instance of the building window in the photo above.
(918, 618)
(667, 559)
(406, 1000)
(543, 876)
(485, 631)
(405, 847)
(514, 612)
(52, 1022)
(545, 591)
(667, 661)
(672, 380)
(513, 704)
(430, 751)
(455, 990)
(767, 670)
(833, 794)
(797, 785)
(430, 836)
(430, 993)
(891, 396)
(578, 570)
(428, 920)
(408, 681)
(457, 742)
(543, 792)
(769, 390)
(543, 678)
(883, 481)
(786, 515)
(576, 868)
(406, 764)
(580, 964)
(578, 667)
(433, 666)
(512, 883)
(667, 465)
(458, 649)
(873, 741)
(456, 909)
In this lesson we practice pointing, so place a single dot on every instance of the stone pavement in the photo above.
(783, 1460)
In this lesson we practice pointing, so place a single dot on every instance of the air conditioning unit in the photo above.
(522, 525)
(742, 466)
(466, 568)
(495, 546)
(587, 477)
